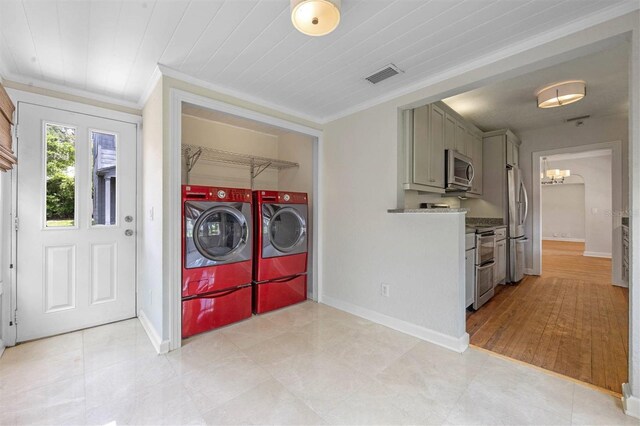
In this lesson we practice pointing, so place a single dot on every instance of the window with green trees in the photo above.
(61, 175)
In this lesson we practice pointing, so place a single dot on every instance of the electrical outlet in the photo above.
(384, 289)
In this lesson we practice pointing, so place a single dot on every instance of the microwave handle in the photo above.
(470, 173)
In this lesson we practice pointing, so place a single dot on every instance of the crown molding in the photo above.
(178, 75)
(153, 81)
(40, 84)
(509, 51)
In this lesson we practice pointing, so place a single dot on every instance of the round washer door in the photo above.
(287, 229)
(220, 232)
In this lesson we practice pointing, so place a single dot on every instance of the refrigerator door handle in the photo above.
(526, 202)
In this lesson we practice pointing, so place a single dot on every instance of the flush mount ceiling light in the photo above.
(315, 17)
(560, 94)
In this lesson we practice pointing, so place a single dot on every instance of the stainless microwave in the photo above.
(458, 171)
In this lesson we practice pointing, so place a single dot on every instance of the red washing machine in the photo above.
(280, 270)
(216, 257)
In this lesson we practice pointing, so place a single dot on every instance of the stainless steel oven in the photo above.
(458, 171)
(485, 267)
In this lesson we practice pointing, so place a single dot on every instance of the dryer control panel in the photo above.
(214, 193)
(281, 197)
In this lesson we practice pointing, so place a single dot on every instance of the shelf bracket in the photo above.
(191, 159)
(256, 170)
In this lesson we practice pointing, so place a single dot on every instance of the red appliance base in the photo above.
(213, 278)
(271, 268)
(276, 294)
(215, 310)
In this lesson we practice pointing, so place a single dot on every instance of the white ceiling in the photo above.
(512, 103)
(250, 47)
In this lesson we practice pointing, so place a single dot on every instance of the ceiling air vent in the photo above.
(383, 74)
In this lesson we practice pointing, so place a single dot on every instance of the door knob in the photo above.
(128, 232)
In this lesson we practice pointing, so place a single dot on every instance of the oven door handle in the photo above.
(488, 265)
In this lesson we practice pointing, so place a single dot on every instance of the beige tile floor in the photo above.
(307, 364)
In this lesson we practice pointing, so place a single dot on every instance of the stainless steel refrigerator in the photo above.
(517, 214)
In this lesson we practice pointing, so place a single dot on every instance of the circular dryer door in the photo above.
(287, 229)
(220, 233)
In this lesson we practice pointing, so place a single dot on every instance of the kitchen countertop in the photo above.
(436, 211)
(484, 221)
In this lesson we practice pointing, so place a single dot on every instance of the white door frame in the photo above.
(616, 204)
(174, 245)
(9, 331)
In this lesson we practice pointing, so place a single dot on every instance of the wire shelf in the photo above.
(220, 156)
(195, 153)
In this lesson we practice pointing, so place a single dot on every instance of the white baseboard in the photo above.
(597, 254)
(161, 346)
(459, 344)
(630, 403)
(568, 240)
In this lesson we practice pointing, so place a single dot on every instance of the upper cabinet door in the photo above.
(468, 144)
(421, 146)
(449, 132)
(461, 138)
(476, 185)
(512, 153)
(437, 136)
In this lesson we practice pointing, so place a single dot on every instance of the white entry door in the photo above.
(76, 244)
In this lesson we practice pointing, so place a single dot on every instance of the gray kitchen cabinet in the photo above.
(476, 184)
(428, 148)
(429, 131)
(499, 149)
(501, 261)
(436, 158)
(468, 144)
(461, 138)
(450, 124)
(421, 148)
(513, 150)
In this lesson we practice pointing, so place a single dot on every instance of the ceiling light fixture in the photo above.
(561, 94)
(315, 17)
(552, 176)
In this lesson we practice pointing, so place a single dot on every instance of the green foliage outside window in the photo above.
(61, 159)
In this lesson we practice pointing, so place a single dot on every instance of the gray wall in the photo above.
(563, 212)
(597, 207)
(593, 131)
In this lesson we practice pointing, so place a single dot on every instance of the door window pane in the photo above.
(61, 175)
(103, 174)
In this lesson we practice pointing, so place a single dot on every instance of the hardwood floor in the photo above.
(571, 320)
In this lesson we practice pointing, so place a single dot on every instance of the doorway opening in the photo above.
(230, 147)
(567, 312)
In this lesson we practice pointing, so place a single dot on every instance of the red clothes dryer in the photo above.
(280, 270)
(216, 257)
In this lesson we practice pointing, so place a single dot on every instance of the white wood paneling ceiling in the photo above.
(249, 47)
